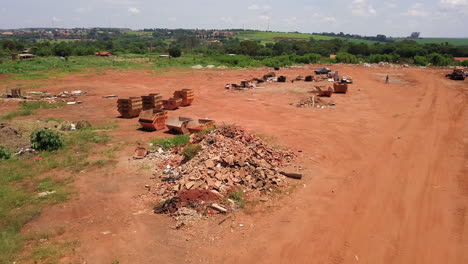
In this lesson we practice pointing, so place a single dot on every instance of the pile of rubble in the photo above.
(314, 102)
(230, 159)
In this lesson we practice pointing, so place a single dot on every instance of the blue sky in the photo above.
(433, 18)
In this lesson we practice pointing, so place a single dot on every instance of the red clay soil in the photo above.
(385, 172)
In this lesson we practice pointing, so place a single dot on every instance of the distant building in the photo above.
(7, 33)
(460, 58)
(332, 56)
(26, 56)
(103, 53)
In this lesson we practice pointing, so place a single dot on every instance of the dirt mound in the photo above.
(230, 159)
(11, 138)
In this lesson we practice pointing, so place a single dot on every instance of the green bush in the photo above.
(420, 60)
(45, 139)
(464, 63)
(345, 57)
(167, 143)
(4, 153)
(175, 52)
(191, 150)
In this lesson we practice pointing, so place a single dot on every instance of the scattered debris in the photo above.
(140, 152)
(110, 96)
(43, 194)
(314, 102)
(296, 176)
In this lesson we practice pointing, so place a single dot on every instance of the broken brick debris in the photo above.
(230, 159)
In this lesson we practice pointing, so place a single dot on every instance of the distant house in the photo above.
(332, 56)
(460, 58)
(164, 56)
(7, 33)
(103, 53)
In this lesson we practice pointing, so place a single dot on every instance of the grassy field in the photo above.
(453, 41)
(266, 37)
(45, 67)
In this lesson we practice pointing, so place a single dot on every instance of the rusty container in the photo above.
(178, 125)
(153, 119)
(172, 103)
(198, 125)
(340, 87)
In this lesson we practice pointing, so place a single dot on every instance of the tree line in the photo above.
(404, 51)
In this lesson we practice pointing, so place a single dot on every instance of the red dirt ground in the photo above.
(385, 172)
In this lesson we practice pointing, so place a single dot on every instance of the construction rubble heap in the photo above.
(230, 159)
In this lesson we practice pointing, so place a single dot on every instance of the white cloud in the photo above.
(362, 8)
(133, 11)
(81, 10)
(257, 7)
(417, 10)
(329, 19)
(56, 19)
(253, 7)
(120, 2)
(264, 17)
(454, 3)
(291, 20)
(227, 19)
(460, 6)
(172, 19)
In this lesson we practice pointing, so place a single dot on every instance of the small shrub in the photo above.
(167, 143)
(191, 150)
(238, 197)
(45, 139)
(175, 52)
(4, 153)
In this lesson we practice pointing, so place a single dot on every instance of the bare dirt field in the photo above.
(384, 172)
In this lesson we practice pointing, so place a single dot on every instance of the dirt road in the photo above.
(385, 173)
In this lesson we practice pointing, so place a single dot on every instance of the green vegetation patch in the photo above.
(167, 143)
(28, 108)
(45, 67)
(27, 185)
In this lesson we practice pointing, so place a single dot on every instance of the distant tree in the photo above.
(415, 35)
(175, 52)
(62, 49)
(249, 47)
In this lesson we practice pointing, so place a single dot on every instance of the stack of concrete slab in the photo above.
(187, 96)
(130, 107)
(152, 101)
